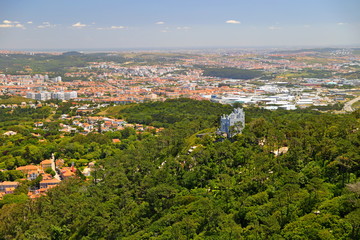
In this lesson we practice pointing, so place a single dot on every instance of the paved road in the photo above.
(53, 167)
(347, 106)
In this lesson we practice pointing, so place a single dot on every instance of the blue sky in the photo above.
(79, 24)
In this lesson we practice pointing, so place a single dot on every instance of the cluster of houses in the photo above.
(48, 181)
(7, 188)
(93, 124)
(27, 105)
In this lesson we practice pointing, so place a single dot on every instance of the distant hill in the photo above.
(72, 53)
(318, 50)
(315, 50)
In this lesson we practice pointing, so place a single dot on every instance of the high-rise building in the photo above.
(57, 79)
(70, 95)
(42, 96)
(30, 95)
(58, 95)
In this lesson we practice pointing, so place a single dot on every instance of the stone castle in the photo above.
(233, 123)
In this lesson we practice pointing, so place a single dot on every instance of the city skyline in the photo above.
(113, 24)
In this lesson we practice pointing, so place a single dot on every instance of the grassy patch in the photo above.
(15, 100)
(356, 105)
(111, 111)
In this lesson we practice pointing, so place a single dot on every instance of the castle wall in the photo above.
(228, 123)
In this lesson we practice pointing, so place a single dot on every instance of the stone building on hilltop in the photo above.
(233, 123)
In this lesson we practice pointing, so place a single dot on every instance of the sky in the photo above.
(122, 24)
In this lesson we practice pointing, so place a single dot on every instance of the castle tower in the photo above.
(233, 123)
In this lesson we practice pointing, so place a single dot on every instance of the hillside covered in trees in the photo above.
(177, 184)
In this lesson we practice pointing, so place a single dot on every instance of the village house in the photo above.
(87, 127)
(36, 193)
(10, 133)
(59, 163)
(87, 171)
(9, 190)
(28, 168)
(49, 182)
(38, 124)
(8, 186)
(46, 176)
(45, 164)
(67, 172)
(32, 175)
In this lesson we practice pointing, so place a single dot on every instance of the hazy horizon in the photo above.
(179, 49)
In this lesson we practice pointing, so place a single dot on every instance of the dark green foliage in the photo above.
(72, 53)
(351, 75)
(23, 114)
(164, 114)
(313, 73)
(153, 187)
(11, 175)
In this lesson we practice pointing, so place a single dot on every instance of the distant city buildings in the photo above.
(70, 95)
(57, 79)
(291, 86)
(233, 123)
(43, 96)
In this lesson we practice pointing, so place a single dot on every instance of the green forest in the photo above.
(186, 181)
(62, 63)
(40, 63)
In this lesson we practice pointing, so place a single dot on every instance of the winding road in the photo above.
(54, 167)
(348, 105)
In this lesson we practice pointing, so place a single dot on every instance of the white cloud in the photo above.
(29, 22)
(46, 25)
(160, 23)
(272, 28)
(79, 25)
(341, 23)
(6, 25)
(19, 25)
(183, 28)
(11, 24)
(232, 22)
(111, 28)
(117, 27)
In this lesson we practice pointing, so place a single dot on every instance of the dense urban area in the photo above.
(320, 78)
(198, 144)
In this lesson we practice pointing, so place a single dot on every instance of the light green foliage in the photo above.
(13, 198)
(50, 171)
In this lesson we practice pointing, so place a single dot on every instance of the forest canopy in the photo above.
(179, 184)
